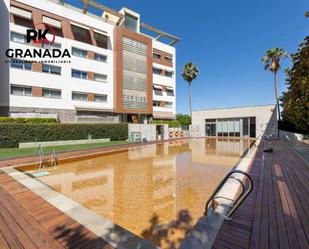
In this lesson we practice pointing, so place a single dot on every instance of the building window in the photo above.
(210, 127)
(80, 96)
(81, 34)
(156, 103)
(168, 58)
(226, 127)
(100, 77)
(79, 74)
(80, 31)
(15, 37)
(252, 126)
(22, 17)
(100, 98)
(245, 125)
(101, 40)
(156, 70)
(52, 46)
(100, 57)
(168, 73)
(168, 104)
(51, 93)
(158, 90)
(131, 22)
(20, 90)
(79, 52)
(169, 92)
(156, 56)
(51, 69)
(20, 64)
(56, 24)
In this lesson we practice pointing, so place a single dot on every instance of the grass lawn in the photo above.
(16, 152)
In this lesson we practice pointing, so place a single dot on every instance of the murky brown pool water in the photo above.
(156, 191)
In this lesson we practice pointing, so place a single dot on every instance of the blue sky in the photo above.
(226, 39)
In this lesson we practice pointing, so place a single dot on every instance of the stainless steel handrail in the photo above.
(54, 159)
(239, 199)
(42, 157)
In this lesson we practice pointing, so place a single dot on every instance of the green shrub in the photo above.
(171, 123)
(7, 120)
(13, 134)
(183, 119)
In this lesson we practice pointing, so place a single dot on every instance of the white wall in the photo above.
(265, 115)
(163, 80)
(147, 131)
(4, 45)
(65, 82)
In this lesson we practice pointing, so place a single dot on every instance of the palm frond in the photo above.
(272, 58)
(189, 72)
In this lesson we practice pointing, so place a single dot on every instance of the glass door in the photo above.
(211, 130)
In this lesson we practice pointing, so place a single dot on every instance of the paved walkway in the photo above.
(276, 214)
(27, 221)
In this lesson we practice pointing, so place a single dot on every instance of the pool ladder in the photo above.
(239, 200)
(44, 161)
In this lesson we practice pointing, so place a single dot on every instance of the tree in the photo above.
(295, 101)
(183, 119)
(271, 61)
(189, 72)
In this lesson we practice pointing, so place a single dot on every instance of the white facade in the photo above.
(4, 44)
(165, 81)
(20, 104)
(265, 119)
(65, 82)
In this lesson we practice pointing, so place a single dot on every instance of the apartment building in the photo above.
(107, 67)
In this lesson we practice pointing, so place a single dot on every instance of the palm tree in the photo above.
(272, 63)
(189, 72)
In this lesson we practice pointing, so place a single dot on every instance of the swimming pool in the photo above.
(157, 191)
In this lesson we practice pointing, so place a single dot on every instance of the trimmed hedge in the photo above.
(171, 123)
(7, 120)
(13, 134)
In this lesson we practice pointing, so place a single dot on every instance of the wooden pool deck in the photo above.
(27, 221)
(276, 214)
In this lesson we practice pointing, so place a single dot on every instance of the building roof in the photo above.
(235, 107)
(118, 17)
